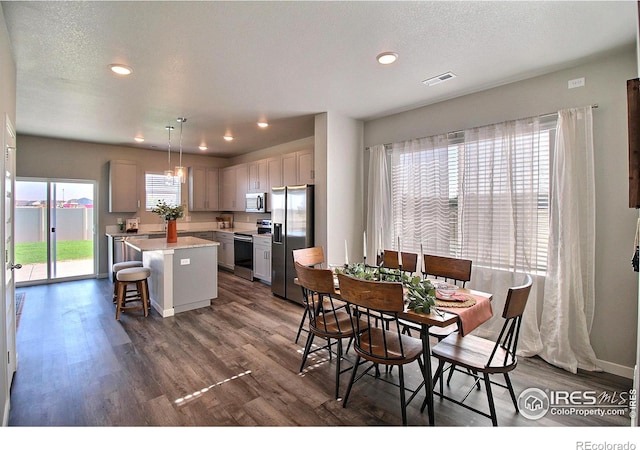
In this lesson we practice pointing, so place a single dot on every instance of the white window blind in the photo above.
(156, 188)
(480, 194)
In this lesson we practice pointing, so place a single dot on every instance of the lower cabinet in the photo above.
(262, 258)
(225, 251)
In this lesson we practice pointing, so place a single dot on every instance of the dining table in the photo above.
(467, 314)
(468, 308)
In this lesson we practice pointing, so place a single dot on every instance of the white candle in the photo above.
(364, 242)
(346, 253)
(399, 253)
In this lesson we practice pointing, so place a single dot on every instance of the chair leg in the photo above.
(513, 395)
(339, 357)
(351, 380)
(142, 288)
(120, 289)
(402, 396)
(300, 328)
(492, 407)
(307, 348)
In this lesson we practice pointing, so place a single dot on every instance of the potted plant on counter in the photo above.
(169, 213)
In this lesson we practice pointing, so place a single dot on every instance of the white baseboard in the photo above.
(616, 369)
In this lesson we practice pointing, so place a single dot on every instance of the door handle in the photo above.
(53, 230)
(16, 266)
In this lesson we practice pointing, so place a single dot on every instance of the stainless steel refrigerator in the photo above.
(292, 221)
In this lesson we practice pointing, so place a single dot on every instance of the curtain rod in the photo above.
(594, 106)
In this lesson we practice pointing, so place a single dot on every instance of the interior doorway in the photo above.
(55, 230)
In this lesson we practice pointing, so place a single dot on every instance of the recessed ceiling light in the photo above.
(121, 69)
(440, 78)
(387, 58)
(138, 139)
(228, 138)
(263, 124)
(202, 147)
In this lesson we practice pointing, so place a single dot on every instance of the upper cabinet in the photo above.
(234, 182)
(123, 186)
(203, 189)
(258, 176)
(298, 168)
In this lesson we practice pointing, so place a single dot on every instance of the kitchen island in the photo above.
(184, 275)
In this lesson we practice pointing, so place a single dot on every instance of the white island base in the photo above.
(184, 275)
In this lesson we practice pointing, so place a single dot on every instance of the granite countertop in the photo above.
(146, 245)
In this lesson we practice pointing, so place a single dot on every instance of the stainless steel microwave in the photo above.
(256, 202)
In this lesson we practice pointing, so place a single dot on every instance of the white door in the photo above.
(9, 283)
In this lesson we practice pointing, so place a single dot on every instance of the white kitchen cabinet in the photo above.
(225, 251)
(123, 186)
(262, 258)
(298, 168)
(274, 171)
(203, 189)
(234, 181)
(258, 176)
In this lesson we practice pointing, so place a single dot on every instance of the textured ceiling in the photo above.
(225, 65)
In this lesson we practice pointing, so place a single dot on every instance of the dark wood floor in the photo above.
(234, 363)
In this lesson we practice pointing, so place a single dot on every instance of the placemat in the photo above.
(470, 301)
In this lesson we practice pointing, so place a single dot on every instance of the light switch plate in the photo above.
(185, 262)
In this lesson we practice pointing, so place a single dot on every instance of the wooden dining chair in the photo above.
(327, 318)
(390, 261)
(456, 270)
(310, 257)
(379, 344)
(486, 357)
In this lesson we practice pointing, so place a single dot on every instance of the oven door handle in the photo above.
(243, 238)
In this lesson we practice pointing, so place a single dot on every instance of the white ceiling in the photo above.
(225, 65)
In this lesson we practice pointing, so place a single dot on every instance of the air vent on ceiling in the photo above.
(440, 78)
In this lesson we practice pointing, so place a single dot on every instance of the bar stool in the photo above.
(118, 267)
(125, 277)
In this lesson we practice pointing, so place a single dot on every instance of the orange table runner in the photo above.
(470, 318)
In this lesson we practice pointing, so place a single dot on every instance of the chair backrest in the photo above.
(311, 256)
(370, 301)
(455, 269)
(517, 297)
(318, 292)
(315, 279)
(376, 295)
(409, 261)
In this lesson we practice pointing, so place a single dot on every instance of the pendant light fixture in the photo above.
(168, 174)
(180, 172)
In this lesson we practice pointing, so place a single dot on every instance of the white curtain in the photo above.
(379, 201)
(502, 228)
(569, 291)
(421, 195)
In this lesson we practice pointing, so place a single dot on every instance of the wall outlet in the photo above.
(185, 262)
(577, 82)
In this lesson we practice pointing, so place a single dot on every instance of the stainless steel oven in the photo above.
(243, 255)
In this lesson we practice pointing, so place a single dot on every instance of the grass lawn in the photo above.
(36, 252)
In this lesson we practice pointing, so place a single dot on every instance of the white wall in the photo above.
(613, 334)
(339, 186)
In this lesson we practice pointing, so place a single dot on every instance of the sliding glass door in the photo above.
(54, 236)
